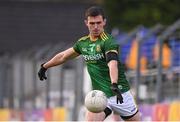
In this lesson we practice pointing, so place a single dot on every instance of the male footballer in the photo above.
(100, 52)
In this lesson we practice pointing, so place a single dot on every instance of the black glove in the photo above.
(116, 90)
(42, 73)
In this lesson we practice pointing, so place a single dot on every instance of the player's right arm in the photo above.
(61, 57)
(58, 59)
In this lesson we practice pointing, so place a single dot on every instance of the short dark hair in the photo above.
(94, 11)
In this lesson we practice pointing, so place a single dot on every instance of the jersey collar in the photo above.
(103, 36)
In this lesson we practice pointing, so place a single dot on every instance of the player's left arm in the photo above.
(112, 60)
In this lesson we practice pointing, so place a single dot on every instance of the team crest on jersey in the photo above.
(98, 48)
(120, 86)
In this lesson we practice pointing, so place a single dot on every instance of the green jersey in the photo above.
(94, 56)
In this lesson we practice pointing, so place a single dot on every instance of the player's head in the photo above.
(95, 20)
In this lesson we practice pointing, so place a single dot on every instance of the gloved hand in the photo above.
(42, 73)
(116, 90)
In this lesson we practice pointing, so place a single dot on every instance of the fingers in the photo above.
(119, 99)
(45, 77)
(42, 76)
(41, 73)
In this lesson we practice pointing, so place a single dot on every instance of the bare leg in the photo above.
(116, 117)
(95, 116)
(136, 118)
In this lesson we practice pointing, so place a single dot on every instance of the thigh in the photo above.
(116, 117)
(135, 117)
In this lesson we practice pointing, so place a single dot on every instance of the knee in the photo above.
(95, 116)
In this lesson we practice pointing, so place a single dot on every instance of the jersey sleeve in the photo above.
(76, 47)
(111, 45)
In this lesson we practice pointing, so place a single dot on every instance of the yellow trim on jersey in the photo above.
(83, 38)
(104, 37)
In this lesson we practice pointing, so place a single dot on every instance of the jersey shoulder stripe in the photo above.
(104, 36)
(83, 38)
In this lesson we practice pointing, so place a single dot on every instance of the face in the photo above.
(95, 25)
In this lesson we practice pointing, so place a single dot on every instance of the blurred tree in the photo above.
(126, 14)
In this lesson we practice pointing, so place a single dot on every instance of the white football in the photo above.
(96, 101)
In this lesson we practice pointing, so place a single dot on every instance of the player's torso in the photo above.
(93, 53)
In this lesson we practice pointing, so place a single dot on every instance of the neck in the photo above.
(93, 38)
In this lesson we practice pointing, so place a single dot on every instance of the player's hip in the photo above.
(127, 108)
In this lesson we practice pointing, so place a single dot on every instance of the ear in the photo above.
(86, 22)
(104, 21)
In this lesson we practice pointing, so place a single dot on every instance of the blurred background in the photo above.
(33, 31)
